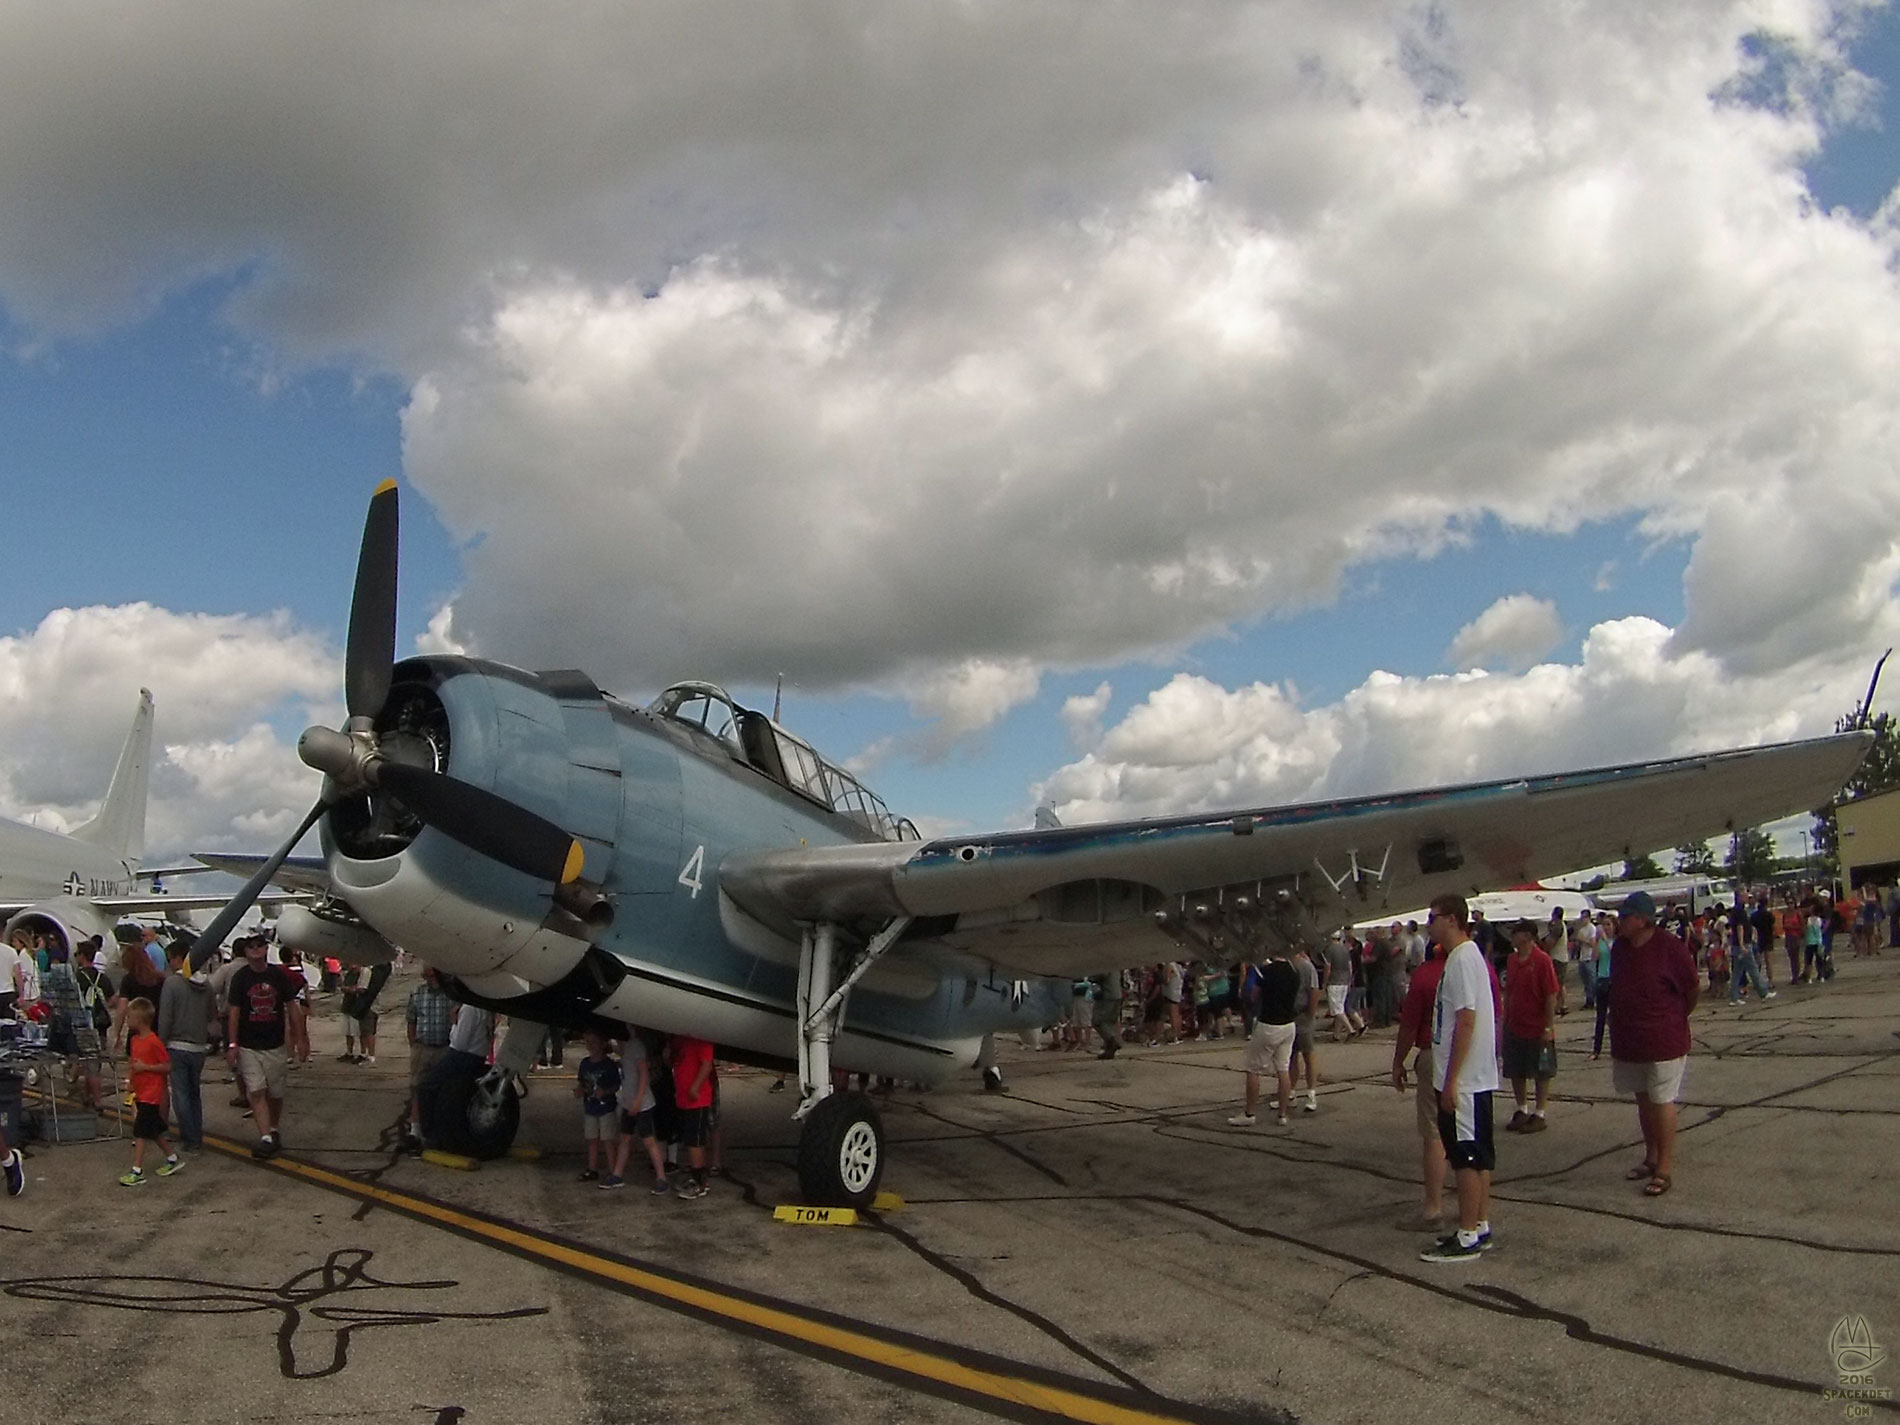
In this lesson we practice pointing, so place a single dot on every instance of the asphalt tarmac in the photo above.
(1094, 1244)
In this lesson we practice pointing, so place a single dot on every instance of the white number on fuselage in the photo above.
(689, 877)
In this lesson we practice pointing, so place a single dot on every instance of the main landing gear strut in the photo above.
(841, 1146)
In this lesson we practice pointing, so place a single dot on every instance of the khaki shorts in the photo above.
(1270, 1048)
(600, 1127)
(1426, 1097)
(421, 1056)
(264, 1071)
(1659, 1083)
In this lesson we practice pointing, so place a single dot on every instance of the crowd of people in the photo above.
(164, 1021)
(1640, 970)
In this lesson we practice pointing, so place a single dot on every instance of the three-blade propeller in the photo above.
(353, 763)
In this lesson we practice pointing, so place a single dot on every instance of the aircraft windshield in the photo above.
(755, 739)
(704, 706)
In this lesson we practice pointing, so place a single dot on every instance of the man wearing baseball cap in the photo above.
(1653, 991)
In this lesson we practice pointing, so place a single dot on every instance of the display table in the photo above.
(32, 1078)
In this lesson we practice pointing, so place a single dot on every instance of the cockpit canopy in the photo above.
(753, 738)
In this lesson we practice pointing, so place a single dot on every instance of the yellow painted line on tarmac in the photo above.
(1017, 1395)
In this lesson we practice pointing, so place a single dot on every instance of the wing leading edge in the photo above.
(1081, 899)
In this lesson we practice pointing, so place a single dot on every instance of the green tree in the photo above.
(1643, 868)
(1693, 858)
(1751, 856)
(1879, 772)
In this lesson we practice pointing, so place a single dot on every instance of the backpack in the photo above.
(92, 998)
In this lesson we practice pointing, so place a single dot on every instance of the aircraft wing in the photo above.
(307, 875)
(159, 903)
(1068, 901)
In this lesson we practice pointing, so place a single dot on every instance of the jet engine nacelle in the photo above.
(322, 937)
(70, 921)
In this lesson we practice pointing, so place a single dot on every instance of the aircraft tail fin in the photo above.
(1046, 818)
(119, 828)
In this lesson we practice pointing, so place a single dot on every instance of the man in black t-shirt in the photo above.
(1270, 1046)
(263, 1013)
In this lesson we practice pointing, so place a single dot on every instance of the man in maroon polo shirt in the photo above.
(1653, 990)
(1532, 991)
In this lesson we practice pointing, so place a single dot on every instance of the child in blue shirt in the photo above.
(597, 1086)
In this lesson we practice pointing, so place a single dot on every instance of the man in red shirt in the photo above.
(1653, 991)
(692, 1064)
(1415, 1030)
(1531, 990)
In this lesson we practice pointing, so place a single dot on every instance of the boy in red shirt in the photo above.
(692, 1061)
(1530, 1024)
(151, 1069)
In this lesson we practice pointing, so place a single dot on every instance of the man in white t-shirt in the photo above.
(10, 972)
(1465, 1072)
(1583, 944)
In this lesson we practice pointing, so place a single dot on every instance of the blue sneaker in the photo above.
(612, 1181)
(659, 1187)
(16, 1174)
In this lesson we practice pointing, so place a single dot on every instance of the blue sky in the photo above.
(182, 457)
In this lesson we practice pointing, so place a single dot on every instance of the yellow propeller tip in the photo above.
(576, 858)
(386, 486)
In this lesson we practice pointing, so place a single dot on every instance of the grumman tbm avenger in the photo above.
(570, 860)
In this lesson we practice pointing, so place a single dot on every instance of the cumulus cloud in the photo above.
(907, 342)
(1082, 715)
(1514, 632)
(1193, 744)
(222, 777)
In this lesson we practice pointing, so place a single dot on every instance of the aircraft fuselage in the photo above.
(37, 864)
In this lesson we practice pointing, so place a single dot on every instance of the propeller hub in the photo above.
(341, 756)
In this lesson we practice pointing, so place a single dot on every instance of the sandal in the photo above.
(1639, 1172)
(1657, 1185)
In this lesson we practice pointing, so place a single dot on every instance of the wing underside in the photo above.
(1076, 900)
(307, 875)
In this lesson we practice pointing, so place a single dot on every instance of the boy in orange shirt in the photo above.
(151, 1069)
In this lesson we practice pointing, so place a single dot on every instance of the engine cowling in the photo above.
(67, 920)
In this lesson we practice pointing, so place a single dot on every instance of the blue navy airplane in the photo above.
(691, 867)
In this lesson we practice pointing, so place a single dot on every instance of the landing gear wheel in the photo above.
(841, 1152)
(490, 1118)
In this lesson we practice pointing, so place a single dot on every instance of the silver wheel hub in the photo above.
(857, 1157)
(485, 1107)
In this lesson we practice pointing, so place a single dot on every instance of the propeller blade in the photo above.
(496, 827)
(225, 920)
(372, 646)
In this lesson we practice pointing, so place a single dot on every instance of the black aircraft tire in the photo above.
(841, 1152)
(488, 1130)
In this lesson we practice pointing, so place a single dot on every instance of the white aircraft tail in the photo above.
(119, 828)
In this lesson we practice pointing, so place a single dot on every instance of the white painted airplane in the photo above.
(76, 885)
(692, 867)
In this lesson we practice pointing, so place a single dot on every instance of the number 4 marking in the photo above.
(689, 877)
